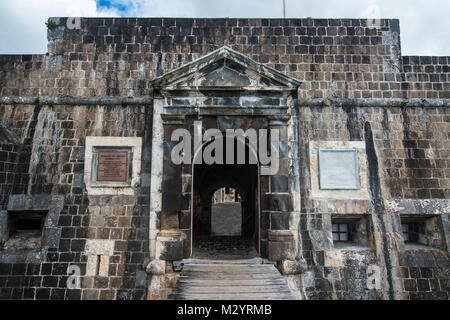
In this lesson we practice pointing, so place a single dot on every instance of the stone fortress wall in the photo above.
(354, 86)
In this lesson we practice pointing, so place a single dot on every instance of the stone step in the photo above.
(211, 281)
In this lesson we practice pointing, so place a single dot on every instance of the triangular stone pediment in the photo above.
(224, 77)
(225, 69)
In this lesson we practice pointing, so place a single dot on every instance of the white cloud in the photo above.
(424, 25)
(22, 22)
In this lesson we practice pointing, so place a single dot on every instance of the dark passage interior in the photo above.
(216, 236)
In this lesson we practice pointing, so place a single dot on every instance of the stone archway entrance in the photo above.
(224, 90)
(206, 180)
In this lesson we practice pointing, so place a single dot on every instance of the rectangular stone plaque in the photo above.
(338, 169)
(112, 166)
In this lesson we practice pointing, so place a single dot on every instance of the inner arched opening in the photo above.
(225, 209)
(226, 212)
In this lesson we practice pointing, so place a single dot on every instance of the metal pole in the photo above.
(284, 9)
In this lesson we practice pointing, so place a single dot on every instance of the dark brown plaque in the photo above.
(112, 166)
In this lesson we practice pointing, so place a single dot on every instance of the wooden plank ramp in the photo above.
(230, 282)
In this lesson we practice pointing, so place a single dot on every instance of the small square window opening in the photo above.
(410, 232)
(340, 232)
(25, 229)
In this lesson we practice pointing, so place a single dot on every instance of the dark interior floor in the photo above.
(223, 248)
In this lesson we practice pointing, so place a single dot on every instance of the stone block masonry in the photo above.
(331, 83)
(333, 58)
(56, 167)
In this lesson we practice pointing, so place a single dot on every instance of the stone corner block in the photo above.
(156, 267)
(99, 247)
(289, 267)
(169, 245)
(281, 246)
(281, 235)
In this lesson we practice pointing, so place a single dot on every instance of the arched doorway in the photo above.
(226, 213)
(212, 238)
(223, 90)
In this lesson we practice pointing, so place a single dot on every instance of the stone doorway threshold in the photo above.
(178, 265)
(230, 282)
(257, 260)
(223, 248)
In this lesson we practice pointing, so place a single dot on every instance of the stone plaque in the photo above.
(112, 166)
(338, 169)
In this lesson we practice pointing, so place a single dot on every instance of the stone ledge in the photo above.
(17, 255)
(282, 235)
(432, 103)
(418, 207)
(77, 100)
(67, 100)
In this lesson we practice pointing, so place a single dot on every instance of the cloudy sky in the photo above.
(424, 24)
